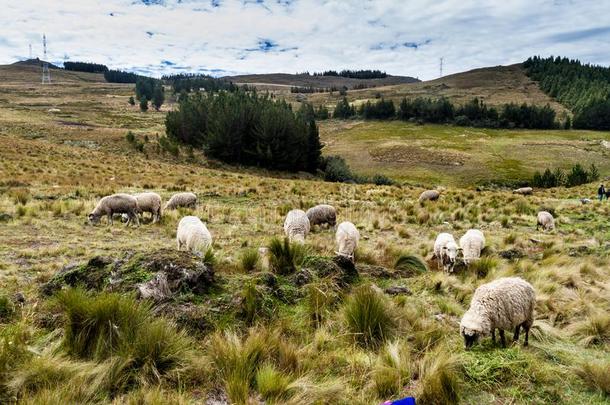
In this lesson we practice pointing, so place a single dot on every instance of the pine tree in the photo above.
(132, 101)
(314, 147)
(143, 104)
(158, 96)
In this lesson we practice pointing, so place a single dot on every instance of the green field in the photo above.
(460, 156)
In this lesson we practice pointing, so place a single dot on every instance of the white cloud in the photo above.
(399, 37)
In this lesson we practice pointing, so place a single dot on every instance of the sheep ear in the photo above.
(444, 248)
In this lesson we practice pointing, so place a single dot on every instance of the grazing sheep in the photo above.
(585, 200)
(545, 220)
(181, 200)
(503, 304)
(471, 245)
(193, 235)
(322, 214)
(347, 238)
(116, 204)
(296, 226)
(524, 191)
(445, 251)
(150, 202)
(429, 195)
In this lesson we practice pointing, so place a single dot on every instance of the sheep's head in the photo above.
(94, 218)
(470, 329)
(450, 252)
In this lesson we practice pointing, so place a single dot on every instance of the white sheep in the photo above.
(503, 304)
(471, 245)
(296, 226)
(445, 251)
(347, 237)
(545, 220)
(429, 195)
(322, 214)
(181, 200)
(116, 204)
(193, 235)
(524, 191)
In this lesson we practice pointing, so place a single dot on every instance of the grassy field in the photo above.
(303, 337)
(441, 154)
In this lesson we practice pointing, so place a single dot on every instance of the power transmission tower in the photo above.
(30, 51)
(441, 67)
(46, 74)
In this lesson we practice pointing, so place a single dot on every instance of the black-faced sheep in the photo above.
(193, 235)
(296, 226)
(322, 214)
(505, 304)
(347, 237)
(471, 245)
(545, 220)
(181, 200)
(116, 204)
(445, 251)
(429, 195)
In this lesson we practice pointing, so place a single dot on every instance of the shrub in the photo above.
(483, 266)
(337, 170)
(285, 256)
(381, 180)
(248, 259)
(21, 196)
(369, 317)
(143, 104)
(410, 265)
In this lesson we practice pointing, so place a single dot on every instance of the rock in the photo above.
(398, 290)
(91, 276)
(5, 217)
(376, 271)
(580, 251)
(341, 269)
(512, 254)
(19, 298)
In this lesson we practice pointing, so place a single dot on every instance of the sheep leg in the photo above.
(527, 334)
(110, 218)
(516, 335)
(135, 216)
(502, 338)
(493, 335)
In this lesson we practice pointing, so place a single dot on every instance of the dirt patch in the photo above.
(400, 153)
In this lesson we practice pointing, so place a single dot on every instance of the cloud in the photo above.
(256, 36)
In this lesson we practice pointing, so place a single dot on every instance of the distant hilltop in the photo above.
(34, 62)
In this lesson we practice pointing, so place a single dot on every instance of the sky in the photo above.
(226, 37)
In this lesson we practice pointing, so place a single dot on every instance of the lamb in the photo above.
(116, 203)
(347, 238)
(181, 200)
(193, 235)
(445, 251)
(322, 214)
(296, 226)
(503, 304)
(524, 191)
(545, 220)
(429, 195)
(471, 245)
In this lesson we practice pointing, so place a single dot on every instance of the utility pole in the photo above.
(30, 51)
(441, 67)
(46, 74)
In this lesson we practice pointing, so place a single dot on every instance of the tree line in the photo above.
(247, 128)
(85, 67)
(576, 176)
(194, 82)
(354, 74)
(119, 76)
(583, 88)
(473, 113)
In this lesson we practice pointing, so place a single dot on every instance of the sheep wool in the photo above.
(116, 204)
(347, 237)
(472, 243)
(193, 235)
(429, 195)
(445, 251)
(181, 200)
(150, 202)
(524, 191)
(505, 304)
(296, 226)
(322, 214)
(545, 220)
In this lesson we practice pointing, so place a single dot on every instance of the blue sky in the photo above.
(258, 36)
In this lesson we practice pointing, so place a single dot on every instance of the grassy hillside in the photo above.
(442, 154)
(252, 335)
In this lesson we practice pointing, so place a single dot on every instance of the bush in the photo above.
(381, 180)
(143, 104)
(337, 170)
(248, 259)
(368, 317)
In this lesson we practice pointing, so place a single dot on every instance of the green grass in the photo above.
(368, 317)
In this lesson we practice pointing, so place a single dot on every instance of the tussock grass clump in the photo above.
(369, 317)
(14, 340)
(272, 384)
(410, 265)
(321, 297)
(483, 266)
(7, 309)
(248, 259)
(593, 330)
(392, 370)
(439, 378)
(21, 196)
(141, 346)
(285, 256)
(596, 374)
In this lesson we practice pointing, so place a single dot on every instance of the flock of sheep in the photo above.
(504, 304)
